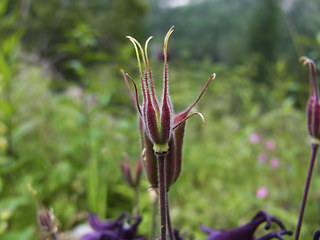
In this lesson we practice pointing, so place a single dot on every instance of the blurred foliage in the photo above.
(67, 138)
(72, 34)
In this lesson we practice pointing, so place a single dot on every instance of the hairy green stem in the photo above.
(162, 192)
(306, 189)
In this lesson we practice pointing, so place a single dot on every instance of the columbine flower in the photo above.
(316, 235)
(161, 130)
(247, 231)
(119, 229)
(313, 106)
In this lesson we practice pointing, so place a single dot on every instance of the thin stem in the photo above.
(55, 236)
(170, 230)
(136, 202)
(306, 189)
(162, 192)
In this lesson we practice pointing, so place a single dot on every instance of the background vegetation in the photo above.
(66, 119)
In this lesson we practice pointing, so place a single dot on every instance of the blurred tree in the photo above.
(264, 36)
(207, 29)
(61, 31)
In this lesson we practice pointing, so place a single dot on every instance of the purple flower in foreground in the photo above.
(119, 229)
(246, 232)
(316, 235)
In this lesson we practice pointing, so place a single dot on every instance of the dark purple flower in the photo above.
(316, 235)
(246, 232)
(177, 235)
(123, 228)
(161, 130)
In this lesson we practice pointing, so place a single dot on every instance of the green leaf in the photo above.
(5, 108)
(25, 128)
(21, 235)
(3, 6)
(12, 204)
(4, 68)
(11, 43)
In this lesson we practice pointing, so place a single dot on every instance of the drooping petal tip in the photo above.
(306, 60)
(187, 117)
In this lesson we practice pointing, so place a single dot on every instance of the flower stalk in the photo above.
(163, 196)
(306, 190)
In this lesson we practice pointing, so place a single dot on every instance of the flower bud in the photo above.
(46, 220)
(127, 172)
(313, 105)
(313, 116)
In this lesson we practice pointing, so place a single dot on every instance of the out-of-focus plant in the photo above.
(10, 46)
(133, 180)
(80, 50)
(9, 51)
(82, 39)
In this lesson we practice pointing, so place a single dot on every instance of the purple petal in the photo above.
(130, 232)
(107, 235)
(91, 236)
(210, 231)
(99, 226)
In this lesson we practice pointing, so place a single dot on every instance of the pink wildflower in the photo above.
(262, 158)
(270, 145)
(274, 163)
(262, 192)
(254, 138)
